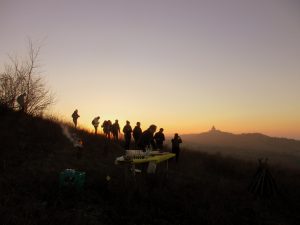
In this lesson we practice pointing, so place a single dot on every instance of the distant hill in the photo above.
(248, 140)
(251, 145)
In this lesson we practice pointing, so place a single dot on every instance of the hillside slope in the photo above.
(201, 189)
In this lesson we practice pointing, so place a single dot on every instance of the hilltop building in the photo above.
(213, 129)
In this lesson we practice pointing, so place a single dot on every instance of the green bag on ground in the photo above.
(72, 178)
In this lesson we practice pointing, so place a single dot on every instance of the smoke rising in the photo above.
(72, 137)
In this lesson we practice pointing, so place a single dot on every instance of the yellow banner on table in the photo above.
(156, 158)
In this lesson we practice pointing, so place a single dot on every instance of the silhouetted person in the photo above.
(21, 102)
(75, 116)
(95, 123)
(104, 126)
(176, 141)
(127, 130)
(115, 129)
(147, 139)
(159, 138)
(137, 132)
(108, 129)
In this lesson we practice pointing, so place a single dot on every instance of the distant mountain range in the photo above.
(250, 145)
(216, 137)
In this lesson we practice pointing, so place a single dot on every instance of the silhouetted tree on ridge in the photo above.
(23, 76)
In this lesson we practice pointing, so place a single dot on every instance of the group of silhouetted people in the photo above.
(142, 139)
(111, 128)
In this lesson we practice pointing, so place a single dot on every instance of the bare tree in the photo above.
(23, 76)
(8, 87)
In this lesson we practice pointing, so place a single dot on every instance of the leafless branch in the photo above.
(21, 76)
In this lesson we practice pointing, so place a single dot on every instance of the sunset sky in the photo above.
(184, 65)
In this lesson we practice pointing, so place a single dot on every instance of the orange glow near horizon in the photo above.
(182, 65)
(268, 126)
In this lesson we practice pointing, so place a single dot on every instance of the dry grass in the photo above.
(201, 189)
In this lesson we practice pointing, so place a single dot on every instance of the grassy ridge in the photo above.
(201, 189)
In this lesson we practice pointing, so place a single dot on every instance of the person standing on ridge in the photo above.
(75, 117)
(146, 139)
(95, 123)
(127, 130)
(108, 129)
(104, 126)
(159, 138)
(115, 129)
(176, 141)
(21, 102)
(137, 132)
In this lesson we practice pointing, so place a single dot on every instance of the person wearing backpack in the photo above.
(95, 123)
(75, 117)
(147, 140)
